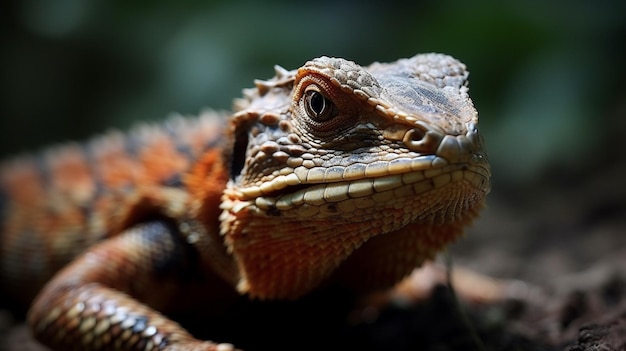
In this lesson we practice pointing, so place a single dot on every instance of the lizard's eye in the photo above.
(318, 113)
(318, 107)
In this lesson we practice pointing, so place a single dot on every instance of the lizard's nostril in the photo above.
(419, 140)
(414, 139)
(415, 135)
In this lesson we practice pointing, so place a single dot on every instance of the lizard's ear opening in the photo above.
(240, 146)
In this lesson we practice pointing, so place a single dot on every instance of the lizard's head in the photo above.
(334, 155)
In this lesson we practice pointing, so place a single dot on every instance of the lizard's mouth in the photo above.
(344, 196)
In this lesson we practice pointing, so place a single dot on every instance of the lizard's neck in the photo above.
(206, 183)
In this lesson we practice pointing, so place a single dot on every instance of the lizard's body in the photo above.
(334, 173)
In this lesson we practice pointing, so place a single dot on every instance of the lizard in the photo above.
(332, 173)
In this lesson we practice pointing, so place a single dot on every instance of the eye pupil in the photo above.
(317, 102)
(318, 107)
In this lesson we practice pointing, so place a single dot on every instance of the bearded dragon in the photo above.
(333, 173)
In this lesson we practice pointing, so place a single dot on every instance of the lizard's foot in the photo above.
(469, 286)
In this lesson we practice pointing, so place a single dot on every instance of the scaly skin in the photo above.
(320, 175)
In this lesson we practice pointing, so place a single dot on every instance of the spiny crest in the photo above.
(282, 77)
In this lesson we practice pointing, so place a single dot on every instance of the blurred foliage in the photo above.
(547, 76)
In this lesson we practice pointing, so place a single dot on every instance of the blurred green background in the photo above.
(548, 77)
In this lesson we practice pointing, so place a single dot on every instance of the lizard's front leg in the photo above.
(92, 303)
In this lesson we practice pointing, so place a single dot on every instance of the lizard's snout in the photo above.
(464, 148)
